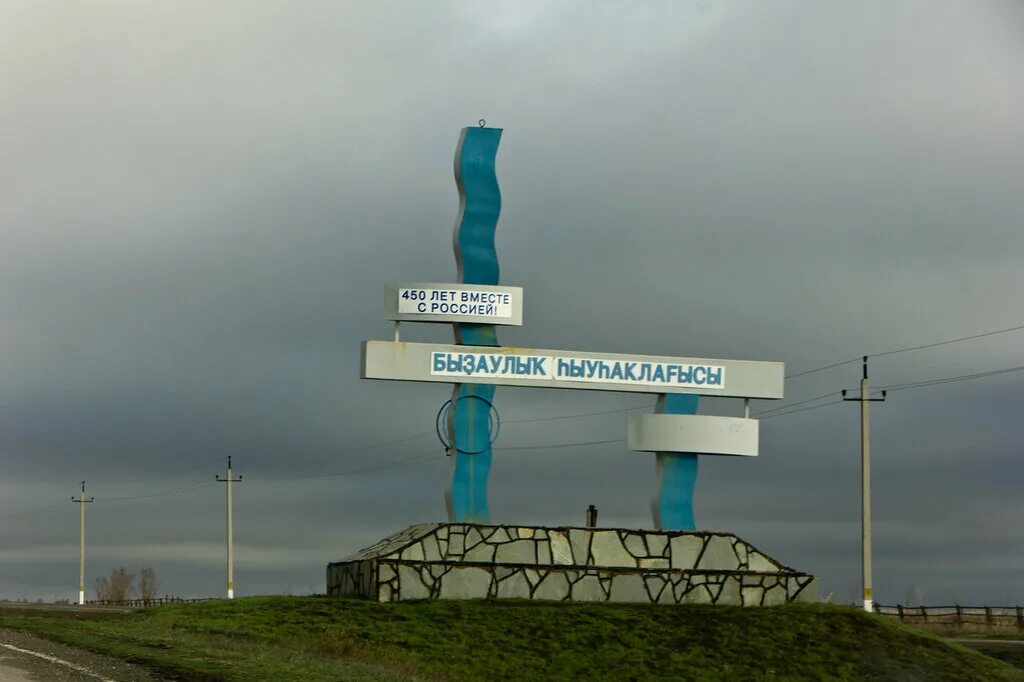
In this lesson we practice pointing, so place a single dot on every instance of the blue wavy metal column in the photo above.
(677, 473)
(477, 261)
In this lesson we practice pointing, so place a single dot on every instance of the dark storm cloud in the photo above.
(203, 205)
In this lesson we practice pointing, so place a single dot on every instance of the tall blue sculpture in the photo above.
(477, 262)
(676, 473)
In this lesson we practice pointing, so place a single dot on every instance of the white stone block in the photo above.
(759, 563)
(719, 555)
(607, 550)
(409, 584)
(516, 552)
(561, 552)
(588, 588)
(554, 586)
(413, 552)
(482, 552)
(628, 588)
(700, 594)
(684, 551)
(635, 545)
(657, 543)
(466, 583)
(580, 541)
(751, 595)
(514, 587)
(730, 592)
(775, 595)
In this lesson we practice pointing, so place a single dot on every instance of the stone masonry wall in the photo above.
(464, 561)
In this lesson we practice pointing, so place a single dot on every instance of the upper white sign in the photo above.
(476, 303)
(455, 302)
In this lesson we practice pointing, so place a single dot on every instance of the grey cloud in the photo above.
(204, 204)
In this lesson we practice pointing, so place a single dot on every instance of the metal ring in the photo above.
(482, 122)
(493, 423)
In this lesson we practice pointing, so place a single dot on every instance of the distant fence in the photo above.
(156, 601)
(974, 617)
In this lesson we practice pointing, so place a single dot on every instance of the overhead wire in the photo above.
(782, 410)
(907, 350)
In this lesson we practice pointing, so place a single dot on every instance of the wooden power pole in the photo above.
(82, 501)
(865, 484)
(231, 559)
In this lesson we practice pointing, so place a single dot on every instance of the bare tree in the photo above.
(148, 584)
(119, 586)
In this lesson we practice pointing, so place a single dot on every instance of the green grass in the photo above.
(314, 638)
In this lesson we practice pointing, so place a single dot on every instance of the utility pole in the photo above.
(82, 501)
(231, 561)
(865, 483)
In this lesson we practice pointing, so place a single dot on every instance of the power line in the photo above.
(563, 445)
(908, 349)
(943, 343)
(789, 405)
(801, 409)
(950, 380)
(822, 369)
(180, 472)
(34, 510)
(895, 387)
(575, 416)
(421, 458)
(170, 491)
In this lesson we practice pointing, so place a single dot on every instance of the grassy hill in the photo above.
(314, 638)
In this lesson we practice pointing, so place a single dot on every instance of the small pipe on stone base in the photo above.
(591, 516)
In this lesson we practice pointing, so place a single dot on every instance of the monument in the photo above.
(469, 557)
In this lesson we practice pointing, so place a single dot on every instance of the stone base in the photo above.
(469, 561)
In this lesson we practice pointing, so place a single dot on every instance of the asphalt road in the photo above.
(24, 658)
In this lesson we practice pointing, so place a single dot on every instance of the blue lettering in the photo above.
(454, 363)
(659, 372)
(700, 375)
(538, 366)
(645, 371)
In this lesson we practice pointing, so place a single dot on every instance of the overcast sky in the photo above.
(202, 204)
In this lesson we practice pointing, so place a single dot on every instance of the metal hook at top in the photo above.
(482, 122)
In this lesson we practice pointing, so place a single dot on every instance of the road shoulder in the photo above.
(27, 657)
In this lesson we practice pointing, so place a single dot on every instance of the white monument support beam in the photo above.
(469, 303)
(536, 368)
(698, 434)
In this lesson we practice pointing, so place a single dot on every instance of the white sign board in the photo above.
(476, 303)
(570, 369)
(573, 368)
